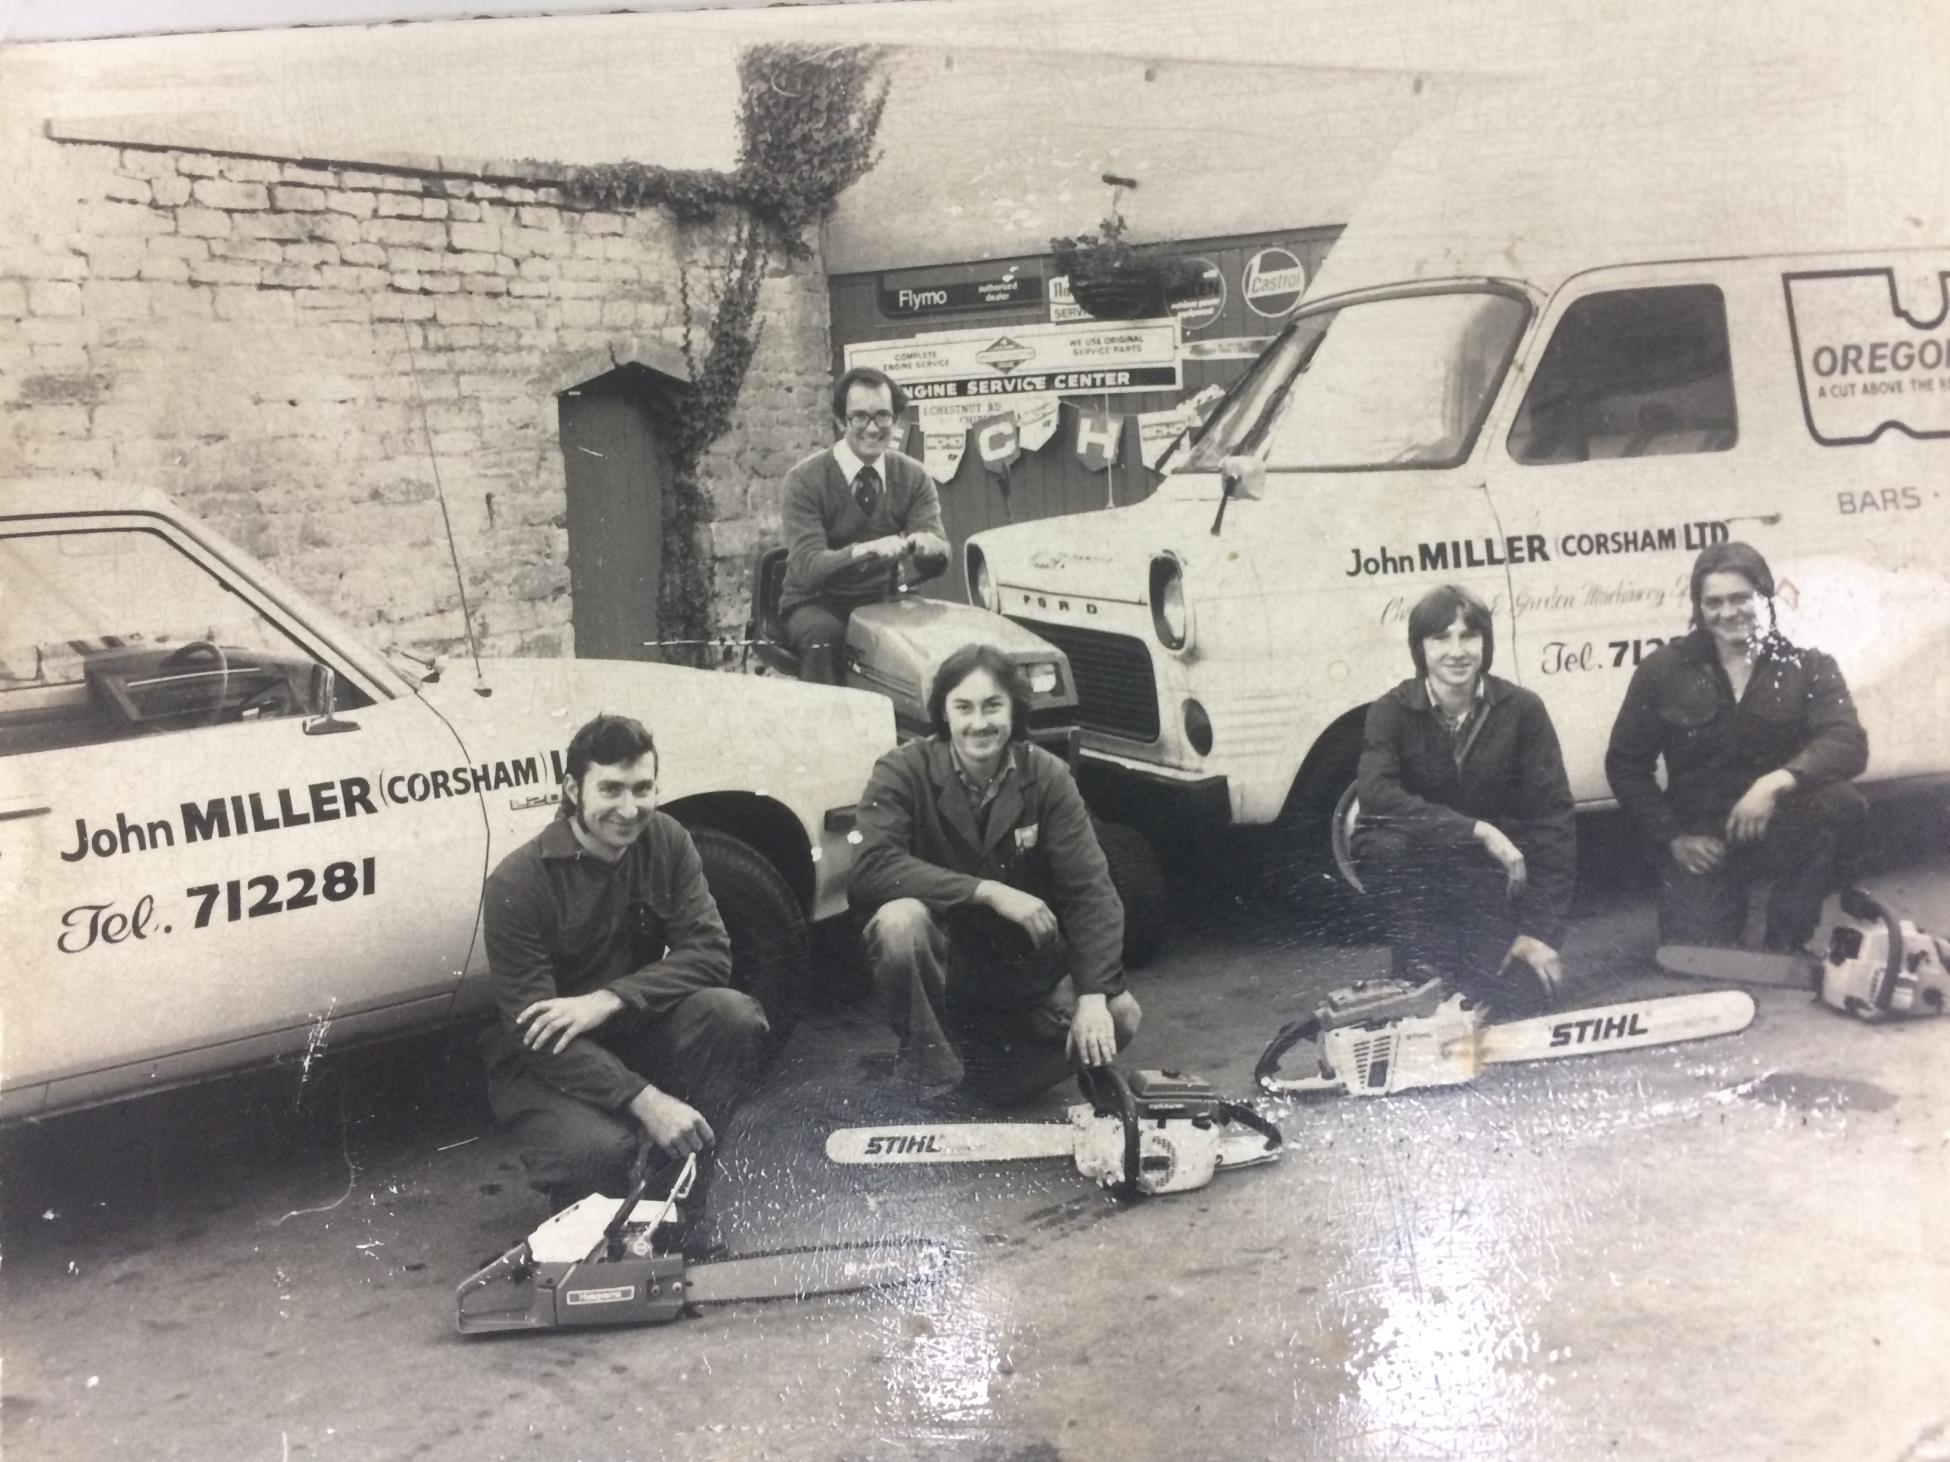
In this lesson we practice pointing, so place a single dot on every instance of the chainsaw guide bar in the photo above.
(1383, 1036)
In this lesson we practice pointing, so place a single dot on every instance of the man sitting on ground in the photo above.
(996, 938)
(611, 973)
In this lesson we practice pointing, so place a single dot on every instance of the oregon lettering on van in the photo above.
(237, 814)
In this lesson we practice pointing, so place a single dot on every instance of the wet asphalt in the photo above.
(1728, 1249)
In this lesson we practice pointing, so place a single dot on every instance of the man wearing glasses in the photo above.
(856, 517)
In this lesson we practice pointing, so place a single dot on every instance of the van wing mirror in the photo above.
(324, 695)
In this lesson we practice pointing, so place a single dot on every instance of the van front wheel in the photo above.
(771, 956)
(1139, 879)
(1340, 835)
(1317, 831)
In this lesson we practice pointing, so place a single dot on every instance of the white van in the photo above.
(1571, 336)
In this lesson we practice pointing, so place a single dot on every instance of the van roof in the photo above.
(1540, 181)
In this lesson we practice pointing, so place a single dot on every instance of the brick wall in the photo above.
(291, 349)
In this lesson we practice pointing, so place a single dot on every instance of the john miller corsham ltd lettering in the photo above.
(1516, 548)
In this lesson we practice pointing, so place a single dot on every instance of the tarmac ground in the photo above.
(1727, 1249)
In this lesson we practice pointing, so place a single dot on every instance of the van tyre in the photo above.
(771, 956)
(1316, 831)
(1139, 880)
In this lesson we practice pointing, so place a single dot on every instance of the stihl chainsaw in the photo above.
(1158, 1132)
(597, 1263)
(1382, 1036)
(1878, 966)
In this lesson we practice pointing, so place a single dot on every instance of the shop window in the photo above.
(1632, 373)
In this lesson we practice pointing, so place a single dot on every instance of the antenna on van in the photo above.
(446, 521)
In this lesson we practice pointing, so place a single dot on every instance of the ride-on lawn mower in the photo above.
(893, 648)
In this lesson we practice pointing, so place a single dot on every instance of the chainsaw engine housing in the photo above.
(1861, 978)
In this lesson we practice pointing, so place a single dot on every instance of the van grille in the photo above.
(1116, 692)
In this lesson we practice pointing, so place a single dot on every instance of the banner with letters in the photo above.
(1098, 436)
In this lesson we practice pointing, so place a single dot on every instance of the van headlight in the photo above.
(980, 585)
(1043, 679)
(1169, 615)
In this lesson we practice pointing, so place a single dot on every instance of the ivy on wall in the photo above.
(808, 118)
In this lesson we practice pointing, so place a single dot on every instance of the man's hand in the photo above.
(561, 1018)
(1747, 823)
(923, 543)
(1023, 909)
(1498, 845)
(1543, 959)
(1697, 853)
(1092, 1040)
(677, 1127)
(888, 547)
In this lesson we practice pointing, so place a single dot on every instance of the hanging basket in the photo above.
(1127, 294)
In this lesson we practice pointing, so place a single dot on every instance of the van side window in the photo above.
(1632, 373)
(109, 634)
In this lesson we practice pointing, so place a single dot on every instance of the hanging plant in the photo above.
(808, 117)
(1114, 279)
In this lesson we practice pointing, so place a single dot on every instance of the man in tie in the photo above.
(856, 516)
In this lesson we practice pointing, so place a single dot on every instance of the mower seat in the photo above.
(765, 631)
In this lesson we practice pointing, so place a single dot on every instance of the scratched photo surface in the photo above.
(380, 401)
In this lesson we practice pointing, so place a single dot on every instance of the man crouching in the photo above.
(611, 974)
(996, 938)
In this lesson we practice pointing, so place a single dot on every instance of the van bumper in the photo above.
(1138, 795)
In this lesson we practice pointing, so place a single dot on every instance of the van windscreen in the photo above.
(1400, 381)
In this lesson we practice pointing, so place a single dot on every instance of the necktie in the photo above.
(866, 490)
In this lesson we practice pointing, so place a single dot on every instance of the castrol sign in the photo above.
(1273, 282)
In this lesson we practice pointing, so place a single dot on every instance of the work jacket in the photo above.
(921, 838)
(1512, 776)
(559, 920)
(1795, 713)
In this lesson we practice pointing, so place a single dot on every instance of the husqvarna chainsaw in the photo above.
(599, 1262)
(1878, 966)
(1382, 1036)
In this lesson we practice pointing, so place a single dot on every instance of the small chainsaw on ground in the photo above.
(1381, 1036)
(597, 1262)
(1878, 967)
(1157, 1132)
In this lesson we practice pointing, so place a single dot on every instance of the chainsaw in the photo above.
(1380, 1036)
(1878, 966)
(598, 1262)
(1157, 1132)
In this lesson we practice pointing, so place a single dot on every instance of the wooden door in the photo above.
(617, 472)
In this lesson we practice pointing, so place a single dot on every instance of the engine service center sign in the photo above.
(1028, 360)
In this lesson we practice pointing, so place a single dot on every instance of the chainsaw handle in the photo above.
(680, 1187)
(1267, 1071)
(1860, 904)
(1111, 1094)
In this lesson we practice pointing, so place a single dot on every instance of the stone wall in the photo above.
(302, 353)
